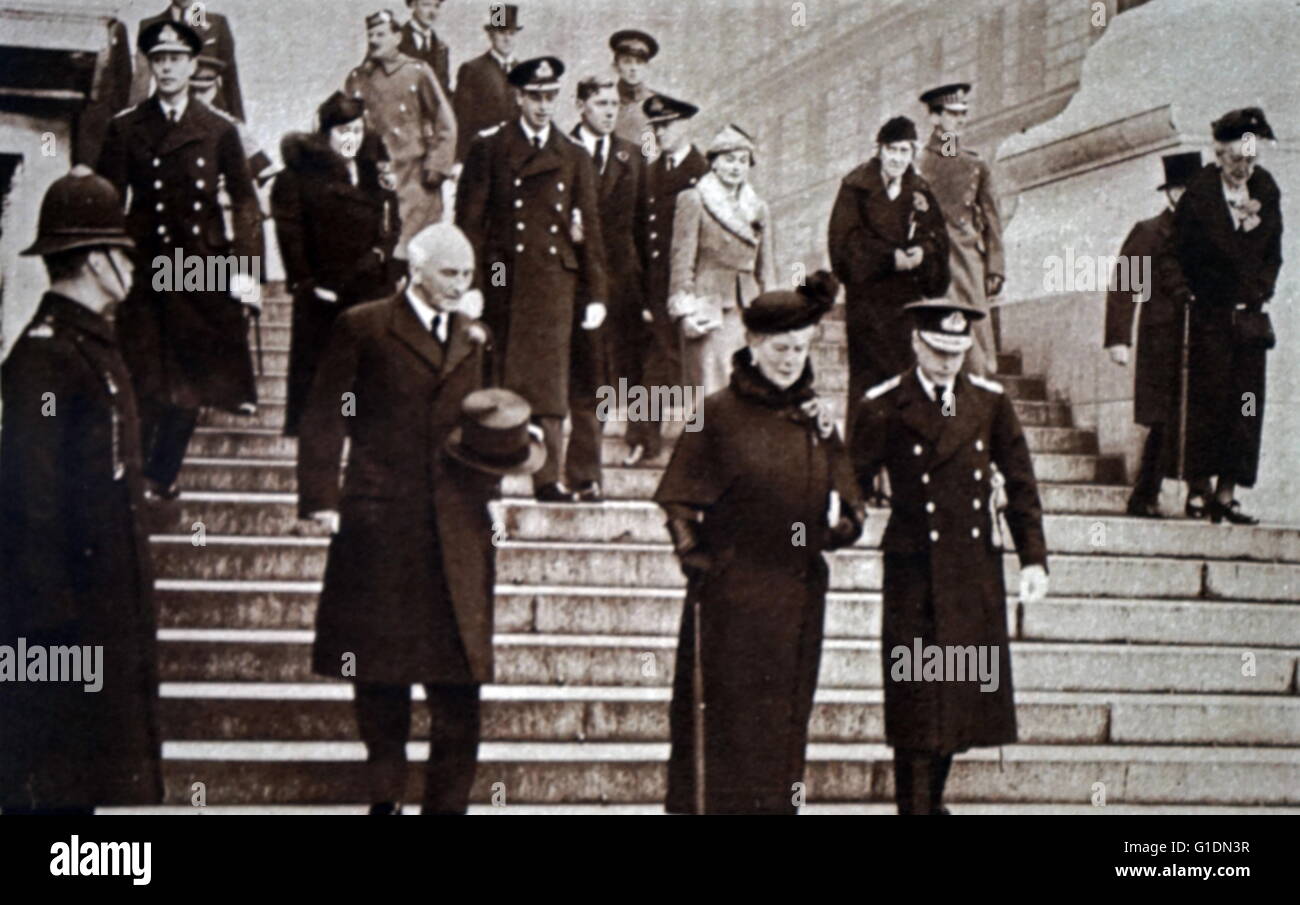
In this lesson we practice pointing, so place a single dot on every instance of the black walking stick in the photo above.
(1184, 369)
(698, 704)
(256, 315)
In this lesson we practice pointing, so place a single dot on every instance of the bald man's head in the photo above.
(442, 265)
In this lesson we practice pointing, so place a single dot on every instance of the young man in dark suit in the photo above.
(484, 96)
(419, 40)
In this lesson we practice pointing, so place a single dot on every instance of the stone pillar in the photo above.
(1150, 86)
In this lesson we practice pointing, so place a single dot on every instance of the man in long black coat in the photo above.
(613, 352)
(409, 580)
(889, 246)
(1228, 243)
(186, 347)
(941, 434)
(679, 166)
(74, 549)
(484, 96)
(1160, 337)
(529, 203)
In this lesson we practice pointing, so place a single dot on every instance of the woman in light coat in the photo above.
(721, 260)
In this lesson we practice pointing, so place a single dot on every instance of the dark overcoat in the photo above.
(483, 99)
(333, 235)
(218, 41)
(518, 206)
(943, 579)
(74, 556)
(866, 228)
(1158, 360)
(436, 56)
(184, 348)
(409, 578)
(754, 470)
(616, 348)
(1226, 269)
(655, 239)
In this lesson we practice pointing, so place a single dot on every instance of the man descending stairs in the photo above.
(1160, 674)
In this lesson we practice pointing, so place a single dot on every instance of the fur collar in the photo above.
(744, 216)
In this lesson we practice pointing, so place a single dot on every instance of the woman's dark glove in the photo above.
(685, 535)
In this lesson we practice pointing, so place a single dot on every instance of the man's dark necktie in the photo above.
(537, 142)
(433, 328)
(600, 155)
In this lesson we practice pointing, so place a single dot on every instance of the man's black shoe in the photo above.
(1143, 509)
(552, 493)
(590, 493)
(386, 809)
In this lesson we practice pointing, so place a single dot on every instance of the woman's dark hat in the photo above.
(338, 109)
(495, 436)
(784, 310)
(80, 210)
(1236, 123)
(900, 128)
(1179, 169)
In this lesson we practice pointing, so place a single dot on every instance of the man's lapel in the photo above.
(184, 132)
(410, 330)
(544, 159)
(918, 411)
(961, 424)
(459, 343)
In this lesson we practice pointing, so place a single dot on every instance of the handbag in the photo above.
(1254, 329)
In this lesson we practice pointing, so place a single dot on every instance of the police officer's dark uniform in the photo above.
(943, 580)
(528, 203)
(74, 548)
(185, 349)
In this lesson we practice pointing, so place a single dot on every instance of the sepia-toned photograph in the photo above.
(650, 407)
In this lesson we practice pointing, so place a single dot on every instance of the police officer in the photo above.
(633, 50)
(963, 185)
(185, 347)
(528, 202)
(74, 550)
(678, 166)
(947, 439)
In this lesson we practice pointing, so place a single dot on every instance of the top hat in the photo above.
(80, 210)
(494, 434)
(634, 43)
(947, 97)
(165, 36)
(1179, 169)
(944, 324)
(503, 17)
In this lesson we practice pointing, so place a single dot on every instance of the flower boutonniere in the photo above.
(1250, 210)
(920, 203)
(476, 334)
(621, 155)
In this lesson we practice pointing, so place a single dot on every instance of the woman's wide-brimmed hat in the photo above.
(494, 434)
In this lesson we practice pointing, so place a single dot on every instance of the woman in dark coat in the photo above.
(1228, 242)
(889, 246)
(337, 226)
(751, 500)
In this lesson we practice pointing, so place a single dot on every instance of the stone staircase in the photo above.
(1163, 665)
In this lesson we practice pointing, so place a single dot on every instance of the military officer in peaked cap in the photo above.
(186, 348)
(963, 185)
(678, 166)
(633, 50)
(947, 439)
(528, 202)
(74, 548)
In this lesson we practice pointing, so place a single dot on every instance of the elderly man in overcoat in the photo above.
(941, 434)
(74, 548)
(1228, 243)
(1157, 378)
(186, 347)
(407, 108)
(529, 203)
(409, 580)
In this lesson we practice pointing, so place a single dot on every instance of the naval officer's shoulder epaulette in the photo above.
(42, 329)
(134, 108)
(881, 389)
(490, 130)
(985, 384)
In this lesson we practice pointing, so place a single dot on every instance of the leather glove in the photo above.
(688, 547)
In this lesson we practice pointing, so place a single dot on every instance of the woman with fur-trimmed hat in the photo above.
(721, 259)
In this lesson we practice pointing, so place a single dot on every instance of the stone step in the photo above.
(620, 521)
(305, 712)
(225, 557)
(232, 656)
(592, 772)
(814, 809)
(634, 611)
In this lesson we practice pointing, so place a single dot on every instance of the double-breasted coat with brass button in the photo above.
(184, 348)
(943, 580)
(524, 210)
(75, 567)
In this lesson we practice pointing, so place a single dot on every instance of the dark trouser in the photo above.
(582, 461)
(1151, 470)
(165, 432)
(384, 720)
(553, 434)
(661, 365)
(919, 778)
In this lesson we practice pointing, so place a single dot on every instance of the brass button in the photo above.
(929, 507)
(978, 474)
(934, 535)
(157, 183)
(519, 226)
(974, 532)
(979, 444)
(917, 449)
(925, 479)
(518, 203)
(975, 504)
(519, 248)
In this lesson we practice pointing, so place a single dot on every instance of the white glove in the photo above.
(325, 295)
(247, 290)
(1118, 354)
(682, 304)
(595, 316)
(1033, 584)
(327, 519)
(471, 304)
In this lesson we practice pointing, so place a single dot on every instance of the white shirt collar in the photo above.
(590, 140)
(929, 386)
(679, 155)
(544, 135)
(426, 314)
(179, 106)
(504, 61)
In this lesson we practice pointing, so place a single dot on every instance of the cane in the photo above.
(1184, 369)
(697, 701)
(256, 315)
